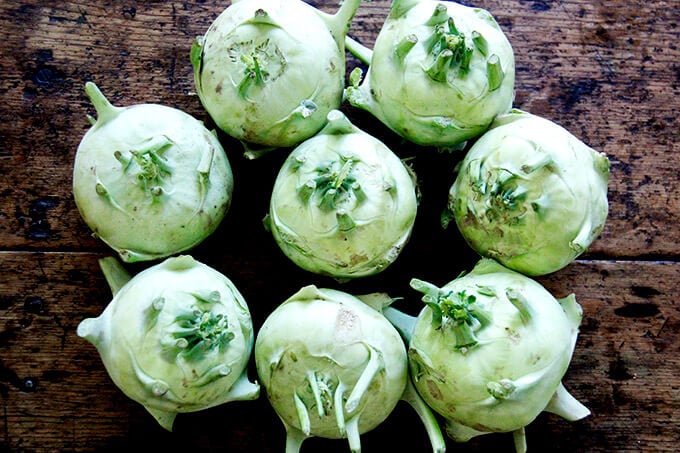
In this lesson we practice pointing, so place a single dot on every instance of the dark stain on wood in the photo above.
(618, 370)
(646, 292)
(637, 310)
(39, 227)
(572, 93)
(539, 5)
(7, 377)
(34, 305)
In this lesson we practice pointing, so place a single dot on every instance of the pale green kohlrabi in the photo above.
(489, 351)
(268, 71)
(439, 72)
(343, 203)
(530, 195)
(149, 180)
(177, 337)
(334, 367)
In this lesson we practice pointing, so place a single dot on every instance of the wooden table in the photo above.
(609, 71)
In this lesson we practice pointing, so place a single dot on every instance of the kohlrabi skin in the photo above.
(530, 195)
(268, 71)
(331, 365)
(177, 337)
(343, 203)
(149, 180)
(489, 350)
(439, 72)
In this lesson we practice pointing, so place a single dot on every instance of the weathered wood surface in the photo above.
(609, 71)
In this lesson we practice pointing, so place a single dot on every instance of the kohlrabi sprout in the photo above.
(530, 195)
(439, 72)
(489, 351)
(268, 71)
(150, 180)
(334, 367)
(177, 337)
(343, 203)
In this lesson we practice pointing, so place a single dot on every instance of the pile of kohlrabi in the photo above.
(489, 349)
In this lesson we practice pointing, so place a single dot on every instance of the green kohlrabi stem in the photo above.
(253, 74)
(302, 415)
(494, 72)
(520, 440)
(114, 273)
(405, 46)
(338, 398)
(294, 438)
(480, 43)
(321, 393)
(566, 406)
(439, 15)
(102, 191)
(426, 416)
(339, 22)
(439, 68)
(401, 321)
(501, 389)
(401, 7)
(345, 222)
(105, 110)
(572, 309)
(363, 53)
(204, 167)
(373, 367)
(338, 124)
(520, 303)
(196, 58)
(353, 436)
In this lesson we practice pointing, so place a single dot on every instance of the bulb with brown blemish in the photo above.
(268, 71)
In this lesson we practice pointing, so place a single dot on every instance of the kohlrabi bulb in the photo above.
(176, 338)
(439, 72)
(268, 71)
(149, 180)
(331, 365)
(343, 203)
(489, 350)
(530, 195)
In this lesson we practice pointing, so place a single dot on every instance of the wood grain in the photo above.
(608, 71)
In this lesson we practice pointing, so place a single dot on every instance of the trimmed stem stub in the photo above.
(405, 46)
(502, 389)
(439, 15)
(494, 72)
(338, 124)
(480, 43)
